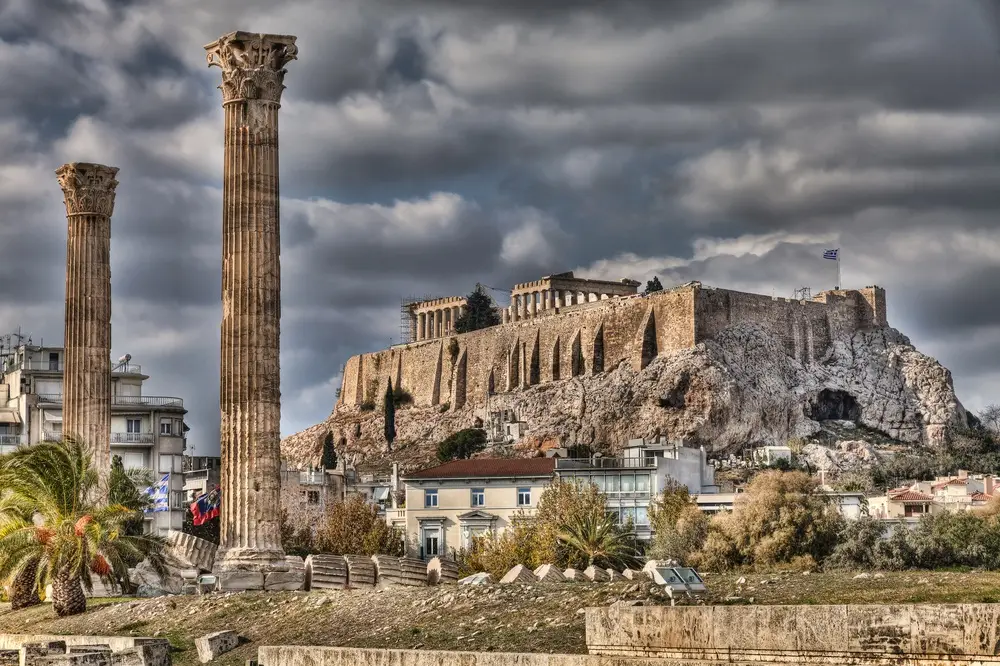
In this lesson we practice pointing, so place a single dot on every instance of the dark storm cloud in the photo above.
(431, 144)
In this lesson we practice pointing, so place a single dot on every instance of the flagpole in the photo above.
(840, 283)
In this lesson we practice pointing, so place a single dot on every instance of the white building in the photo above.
(147, 431)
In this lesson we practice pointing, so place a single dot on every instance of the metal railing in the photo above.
(13, 440)
(317, 478)
(648, 462)
(132, 438)
(127, 400)
(60, 366)
(51, 436)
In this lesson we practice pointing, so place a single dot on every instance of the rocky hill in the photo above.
(737, 390)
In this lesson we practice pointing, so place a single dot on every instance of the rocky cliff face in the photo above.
(737, 390)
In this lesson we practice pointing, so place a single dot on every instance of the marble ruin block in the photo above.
(574, 575)
(595, 574)
(213, 645)
(549, 573)
(387, 570)
(613, 575)
(519, 574)
(360, 572)
(441, 571)
(326, 572)
(412, 572)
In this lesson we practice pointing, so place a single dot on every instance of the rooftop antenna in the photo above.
(803, 294)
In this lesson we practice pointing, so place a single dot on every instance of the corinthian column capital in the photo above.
(253, 65)
(88, 189)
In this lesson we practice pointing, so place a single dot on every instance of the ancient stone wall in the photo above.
(461, 370)
(809, 633)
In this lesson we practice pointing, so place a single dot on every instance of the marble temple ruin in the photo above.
(253, 71)
(89, 195)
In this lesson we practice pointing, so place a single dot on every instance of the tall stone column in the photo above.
(253, 71)
(89, 194)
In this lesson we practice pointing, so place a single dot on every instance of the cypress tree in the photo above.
(390, 416)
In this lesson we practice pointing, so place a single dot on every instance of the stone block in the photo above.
(412, 571)
(289, 581)
(519, 574)
(10, 657)
(574, 575)
(477, 579)
(78, 659)
(189, 551)
(937, 629)
(879, 629)
(614, 576)
(635, 574)
(296, 563)
(387, 570)
(442, 571)
(360, 572)
(236, 581)
(981, 629)
(734, 627)
(595, 574)
(84, 649)
(777, 627)
(33, 653)
(190, 589)
(549, 573)
(152, 651)
(326, 572)
(211, 646)
(822, 628)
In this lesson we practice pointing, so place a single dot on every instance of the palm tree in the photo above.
(23, 588)
(73, 530)
(598, 538)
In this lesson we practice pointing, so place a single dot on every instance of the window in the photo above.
(432, 538)
(54, 361)
(165, 427)
(431, 498)
(133, 426)
(599, 482)
(628, 483)
(312, 497)
(642, 483)
(612, 484)
(478, 497)
(641, 515)
(523, 496)
(628, 514)
(166, 464)
(133, 460)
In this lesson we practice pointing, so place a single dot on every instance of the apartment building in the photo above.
(147, 431)
(201, 474)
(961, 492)
(449, 505)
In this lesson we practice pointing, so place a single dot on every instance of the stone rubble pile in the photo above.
(143, 652)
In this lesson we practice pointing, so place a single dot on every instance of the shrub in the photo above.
(367, 406)
(462, 444)
(679, 526)
(353, 527)
(778, 518)
(496, 554)
(400, 396)
(562, 504)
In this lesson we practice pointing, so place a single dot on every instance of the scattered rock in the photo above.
(213, 645)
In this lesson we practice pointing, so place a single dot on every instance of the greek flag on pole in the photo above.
(160, 492)
(832, 254)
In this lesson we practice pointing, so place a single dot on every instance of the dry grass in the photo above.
(513, 618)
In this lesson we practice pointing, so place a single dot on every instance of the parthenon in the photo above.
(562, 290)
(435, 318)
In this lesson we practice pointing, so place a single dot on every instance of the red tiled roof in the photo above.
(484, 467)
(980, 497)
(950, 482)
(910, 496)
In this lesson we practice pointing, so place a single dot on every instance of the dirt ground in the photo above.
(508, 618)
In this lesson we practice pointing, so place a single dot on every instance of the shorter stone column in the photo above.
(421, 324)
(505, 315)
(456, 312)
(532, 304)
(559, 300)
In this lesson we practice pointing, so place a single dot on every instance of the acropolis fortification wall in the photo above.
(458, 371)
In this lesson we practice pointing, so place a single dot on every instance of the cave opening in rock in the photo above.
(834, 405)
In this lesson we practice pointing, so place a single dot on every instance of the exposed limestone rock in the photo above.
(519, 574)
(846, 456)
(738, 389)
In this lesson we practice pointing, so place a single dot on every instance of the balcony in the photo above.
(41, 365)
(13, 440)
(648, 462)
(132, 438)
(317, 478)
(51, 436)
(123, 400)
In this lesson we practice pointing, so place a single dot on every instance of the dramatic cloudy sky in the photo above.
(430, 144)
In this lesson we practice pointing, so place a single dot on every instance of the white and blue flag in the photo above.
(832, 254)
(160, 492)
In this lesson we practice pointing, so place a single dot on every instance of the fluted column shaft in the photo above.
(89, 191)
(250, 394)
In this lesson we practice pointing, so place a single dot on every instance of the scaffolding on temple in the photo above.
(406, 331)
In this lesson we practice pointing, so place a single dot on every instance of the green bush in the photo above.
(462, 444)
